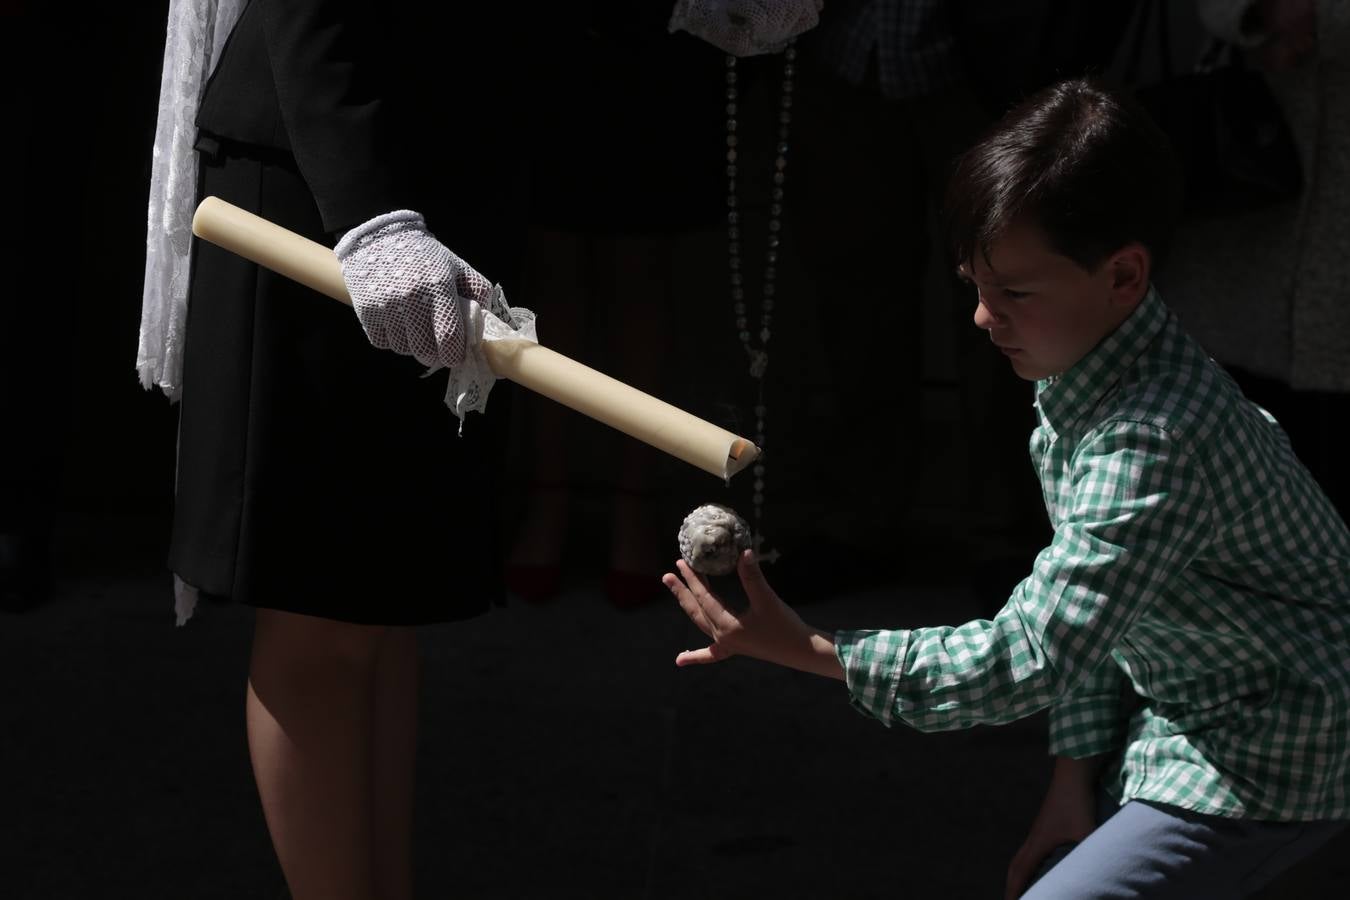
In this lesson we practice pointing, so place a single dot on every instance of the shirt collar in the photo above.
(1064, 400)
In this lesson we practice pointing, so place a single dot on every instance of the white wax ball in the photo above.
(712, 537)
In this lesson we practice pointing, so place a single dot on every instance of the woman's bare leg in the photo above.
(397, 678)
(309, 714)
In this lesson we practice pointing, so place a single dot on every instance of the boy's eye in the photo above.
(1015, 295)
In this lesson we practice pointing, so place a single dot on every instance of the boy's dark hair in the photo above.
(1083, 163)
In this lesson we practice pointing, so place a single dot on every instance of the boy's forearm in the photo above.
(814, 655)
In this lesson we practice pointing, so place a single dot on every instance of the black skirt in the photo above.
(316, 474)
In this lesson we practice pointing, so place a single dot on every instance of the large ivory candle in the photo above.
(594, 394)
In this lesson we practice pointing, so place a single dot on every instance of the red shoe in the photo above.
(536, 582)
(630, 590)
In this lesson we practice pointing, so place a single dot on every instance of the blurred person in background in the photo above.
(1266, 292)
(628, 173)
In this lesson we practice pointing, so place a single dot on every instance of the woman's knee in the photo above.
(311, 641)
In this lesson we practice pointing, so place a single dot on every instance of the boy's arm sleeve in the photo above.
(1140, 512)
(330, 63)
(1091, 720)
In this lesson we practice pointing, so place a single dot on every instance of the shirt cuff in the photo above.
(872, 662)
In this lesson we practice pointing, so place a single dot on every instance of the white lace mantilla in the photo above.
(195, 35)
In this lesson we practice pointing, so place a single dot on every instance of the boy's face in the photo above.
(1043, 310)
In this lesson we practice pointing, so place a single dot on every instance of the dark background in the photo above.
(563, 755)
(82, 440)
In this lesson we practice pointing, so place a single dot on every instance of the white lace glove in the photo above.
(409, 291)
(415, 297)
(746, 27)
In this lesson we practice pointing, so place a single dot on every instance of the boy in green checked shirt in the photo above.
(1189, 625)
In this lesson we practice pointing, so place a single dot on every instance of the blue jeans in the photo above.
(1151, 850)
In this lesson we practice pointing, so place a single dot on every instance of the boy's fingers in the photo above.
(1019, 871)
(707, 601)
(688, 603)
(697, 584)
(1016, 877)
(697, 657)
(752, 576)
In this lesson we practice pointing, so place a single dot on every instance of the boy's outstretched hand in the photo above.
(766, 629)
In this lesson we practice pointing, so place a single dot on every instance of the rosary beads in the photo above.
(758, 354)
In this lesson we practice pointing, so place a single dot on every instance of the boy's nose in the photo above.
(984, 316)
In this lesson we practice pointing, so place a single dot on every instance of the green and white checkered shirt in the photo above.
(1191, 615)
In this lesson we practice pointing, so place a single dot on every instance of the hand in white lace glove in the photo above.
(746, 27)
(409, 291)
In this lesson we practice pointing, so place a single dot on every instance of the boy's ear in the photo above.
(1130, 268)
